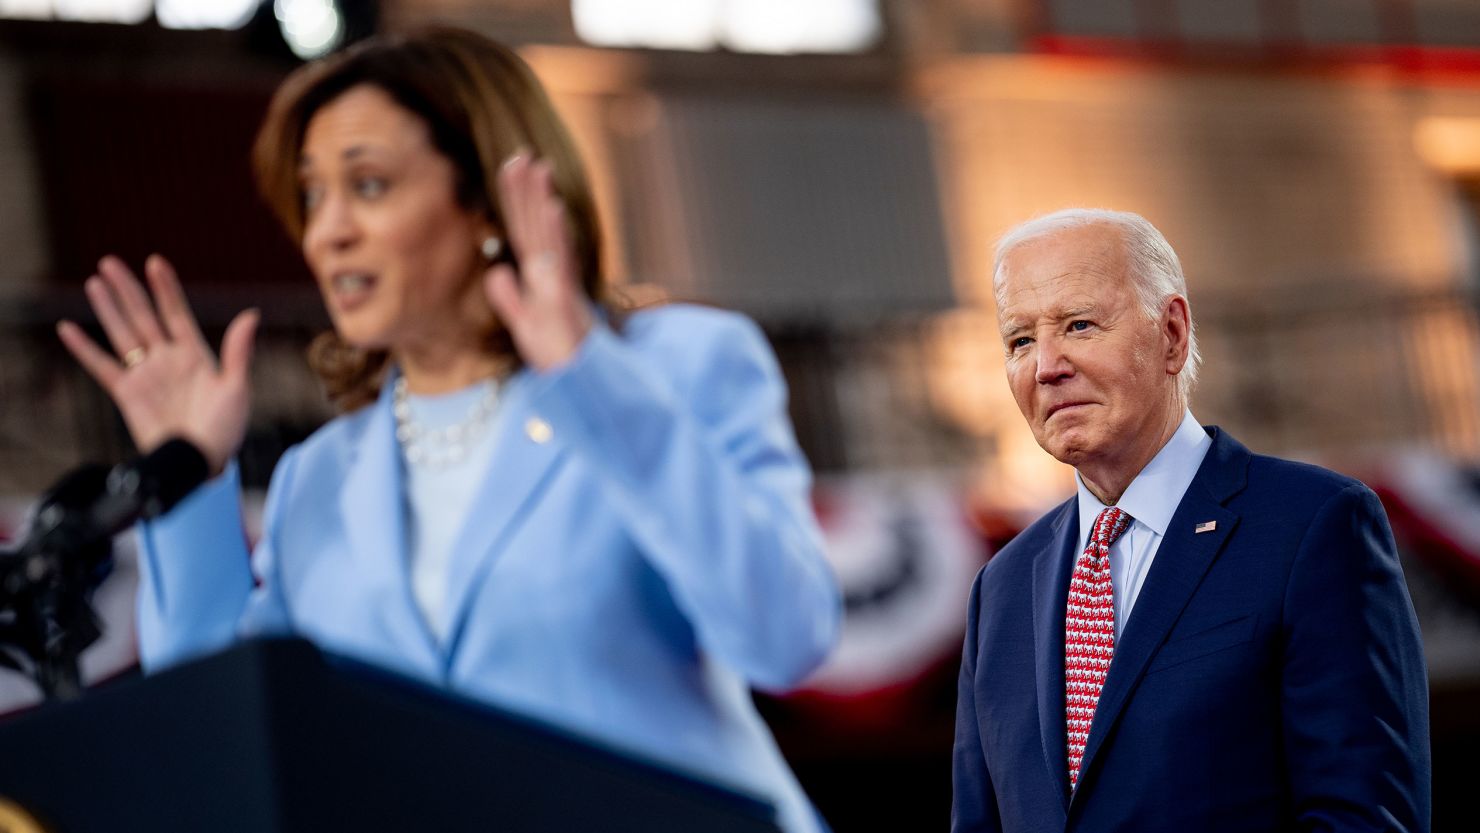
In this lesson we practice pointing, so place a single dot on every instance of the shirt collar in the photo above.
(1153, 496)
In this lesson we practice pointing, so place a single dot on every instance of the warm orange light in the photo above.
(1450, 144)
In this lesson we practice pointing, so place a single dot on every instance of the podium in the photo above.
(272, 737)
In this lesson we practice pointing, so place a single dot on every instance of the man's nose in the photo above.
(1053, 362)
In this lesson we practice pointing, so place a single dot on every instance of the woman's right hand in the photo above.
(162, 375)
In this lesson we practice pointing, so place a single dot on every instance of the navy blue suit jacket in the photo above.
(1270, 676)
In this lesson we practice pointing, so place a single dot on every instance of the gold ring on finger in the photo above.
(134, 357)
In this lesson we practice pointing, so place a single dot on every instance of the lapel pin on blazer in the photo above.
(1205, 526)
(538, 430)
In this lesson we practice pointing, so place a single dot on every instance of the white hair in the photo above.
(1154, 270)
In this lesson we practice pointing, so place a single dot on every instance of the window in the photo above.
(767, 26)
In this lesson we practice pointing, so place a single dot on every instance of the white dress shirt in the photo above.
(1151, 499)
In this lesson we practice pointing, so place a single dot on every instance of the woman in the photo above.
(605, 527)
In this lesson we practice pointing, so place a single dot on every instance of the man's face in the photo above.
(1092, 374)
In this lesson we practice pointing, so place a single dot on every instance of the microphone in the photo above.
(46, 583)
(92, 503)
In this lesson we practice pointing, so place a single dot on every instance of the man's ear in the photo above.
(1176, 330)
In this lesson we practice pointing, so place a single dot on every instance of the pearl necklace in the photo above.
(439, 448)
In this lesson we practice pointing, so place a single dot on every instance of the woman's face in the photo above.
(393, 252)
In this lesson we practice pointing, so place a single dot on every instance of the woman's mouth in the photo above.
(350, 289)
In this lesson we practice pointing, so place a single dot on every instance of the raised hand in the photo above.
(162, 375)
(543, 305)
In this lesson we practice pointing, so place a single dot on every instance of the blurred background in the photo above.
(839, 169)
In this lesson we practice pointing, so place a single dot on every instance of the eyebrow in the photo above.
(350, 153)
(1015, 325)
(1012, 327)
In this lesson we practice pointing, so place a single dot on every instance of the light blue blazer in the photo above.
(641, 552)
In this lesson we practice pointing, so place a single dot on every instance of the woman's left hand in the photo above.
(543, 304)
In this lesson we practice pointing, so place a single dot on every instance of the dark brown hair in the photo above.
(481, 103)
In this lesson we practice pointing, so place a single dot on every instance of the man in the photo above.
(1203, 639)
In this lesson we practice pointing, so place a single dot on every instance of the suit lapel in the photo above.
(1050, 603)
(373, 516)
(522, 460)
(1182, 560)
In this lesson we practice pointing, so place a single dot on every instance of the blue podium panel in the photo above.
(270, 737)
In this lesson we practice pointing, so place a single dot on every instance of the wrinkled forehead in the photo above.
(1067, 269)
(1094, 245)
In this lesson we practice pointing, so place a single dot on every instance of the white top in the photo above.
(438, 499)
(1151, 499)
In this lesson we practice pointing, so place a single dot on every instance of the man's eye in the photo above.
(1019, 342)
(1078, 326)
(370, 187)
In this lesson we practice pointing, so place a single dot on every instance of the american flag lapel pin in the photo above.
(1205, 526)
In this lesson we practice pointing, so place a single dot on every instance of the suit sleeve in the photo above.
(974, 801)
(1354, 688)
(197, 592)
(685, 426)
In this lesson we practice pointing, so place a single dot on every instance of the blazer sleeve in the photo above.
(684, 423)
(973, 799)
(1354, 688)
(197, 591)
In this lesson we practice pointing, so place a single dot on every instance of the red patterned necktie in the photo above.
(1089, 633)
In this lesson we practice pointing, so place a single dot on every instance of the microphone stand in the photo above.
(45, 624)
(47, 583)
(46, 586)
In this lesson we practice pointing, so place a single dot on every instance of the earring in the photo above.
(491, 248)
